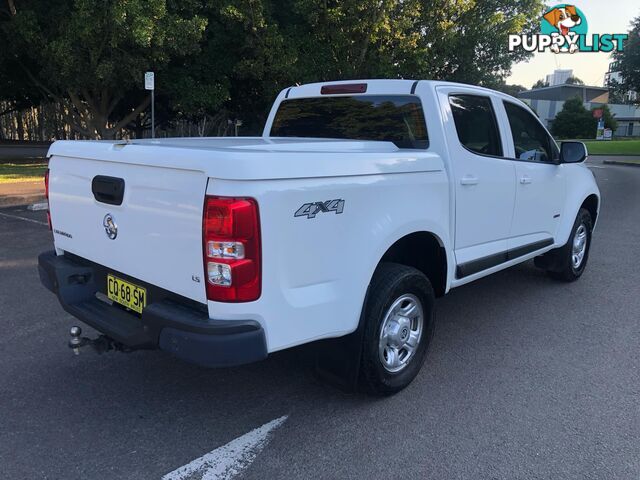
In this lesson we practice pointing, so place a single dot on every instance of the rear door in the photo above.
(540, 182)
(484, 179)
(154, 234)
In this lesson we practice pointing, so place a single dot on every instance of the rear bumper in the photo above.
(184, 331)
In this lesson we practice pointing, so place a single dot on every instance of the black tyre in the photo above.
(399, 323)
(569, 261)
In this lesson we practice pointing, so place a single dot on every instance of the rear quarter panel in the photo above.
(316, 270)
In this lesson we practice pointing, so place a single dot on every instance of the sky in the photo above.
(612, 16)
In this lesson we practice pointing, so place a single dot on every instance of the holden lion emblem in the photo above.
(110, 227)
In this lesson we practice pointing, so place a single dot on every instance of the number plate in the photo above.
(126, 294)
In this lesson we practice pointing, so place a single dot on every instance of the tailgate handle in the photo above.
(108, 189)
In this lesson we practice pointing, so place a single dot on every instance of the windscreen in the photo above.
(391, 118)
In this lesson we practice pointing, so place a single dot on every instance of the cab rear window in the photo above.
(391, 118)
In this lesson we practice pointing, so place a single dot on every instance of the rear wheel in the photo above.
(399, 321)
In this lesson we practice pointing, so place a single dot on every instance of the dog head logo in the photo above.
(564, 29)
(563, 18)
(566, 21)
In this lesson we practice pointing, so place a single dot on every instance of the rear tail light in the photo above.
(46, 196)
(232, 250)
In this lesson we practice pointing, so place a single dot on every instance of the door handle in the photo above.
(525, 179)
(469, 180)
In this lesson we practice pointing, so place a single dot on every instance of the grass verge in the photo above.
(15, 171)
(613, 147)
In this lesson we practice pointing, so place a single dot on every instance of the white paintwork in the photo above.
(159, 222)
(228, 461)
(315, 271)
(484, 189)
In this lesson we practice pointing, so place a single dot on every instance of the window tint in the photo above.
(398, 119)
(530, 139)
(476, 124)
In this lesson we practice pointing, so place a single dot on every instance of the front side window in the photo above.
(390, 118)
(530, 139)
(476, 124)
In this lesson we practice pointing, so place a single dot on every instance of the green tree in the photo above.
(512, 90)
(95, 52)
(574, 81)
(573, 121)
(629, 59)
(539, 84)
(467, 41)
(15, 92)
(253, 49)
(228, 58)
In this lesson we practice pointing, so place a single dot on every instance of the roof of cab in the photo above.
(383, 87)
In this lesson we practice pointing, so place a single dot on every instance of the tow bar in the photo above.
(100, 344)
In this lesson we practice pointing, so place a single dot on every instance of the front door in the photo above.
(540, 182)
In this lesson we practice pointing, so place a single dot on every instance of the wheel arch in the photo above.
(592, 204)
(590, 200)
(424, 251)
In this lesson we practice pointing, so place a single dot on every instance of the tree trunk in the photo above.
(20, 126)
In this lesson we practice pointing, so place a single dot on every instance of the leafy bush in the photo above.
(575, 121)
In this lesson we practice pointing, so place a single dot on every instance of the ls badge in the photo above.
(310, 210)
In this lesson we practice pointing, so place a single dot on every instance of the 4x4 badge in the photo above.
(310, 210)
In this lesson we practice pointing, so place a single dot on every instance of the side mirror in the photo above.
(573, 152)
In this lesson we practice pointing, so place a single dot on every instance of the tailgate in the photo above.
(159, 223)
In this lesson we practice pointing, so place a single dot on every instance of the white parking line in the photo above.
(38, 206)
(24, 219)
(227, 461)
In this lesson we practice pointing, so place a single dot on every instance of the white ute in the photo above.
(361, 203)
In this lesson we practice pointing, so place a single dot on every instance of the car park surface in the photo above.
(526, 378)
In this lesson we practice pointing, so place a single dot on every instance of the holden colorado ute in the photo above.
(360, 204)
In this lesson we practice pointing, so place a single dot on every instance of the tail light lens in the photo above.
(232, 250)
(343, 88)
(46, 196)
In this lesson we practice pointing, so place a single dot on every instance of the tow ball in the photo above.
(100, 344)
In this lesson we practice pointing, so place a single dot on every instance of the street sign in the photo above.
(149, 81)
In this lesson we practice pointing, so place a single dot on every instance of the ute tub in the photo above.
(255, 158)
(182, 330)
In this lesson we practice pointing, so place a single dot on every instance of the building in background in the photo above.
(548, 101)
(558, 77)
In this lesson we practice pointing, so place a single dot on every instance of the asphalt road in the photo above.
(527, 378)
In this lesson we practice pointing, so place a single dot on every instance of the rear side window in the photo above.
(530, 139)
(476, 124)
(391, 118)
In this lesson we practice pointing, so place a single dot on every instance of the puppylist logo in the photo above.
(564, 29)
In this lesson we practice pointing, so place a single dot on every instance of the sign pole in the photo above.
(153, 114)
(149, 84)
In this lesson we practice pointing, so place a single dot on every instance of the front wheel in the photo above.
(399, 322)
(571, 259)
